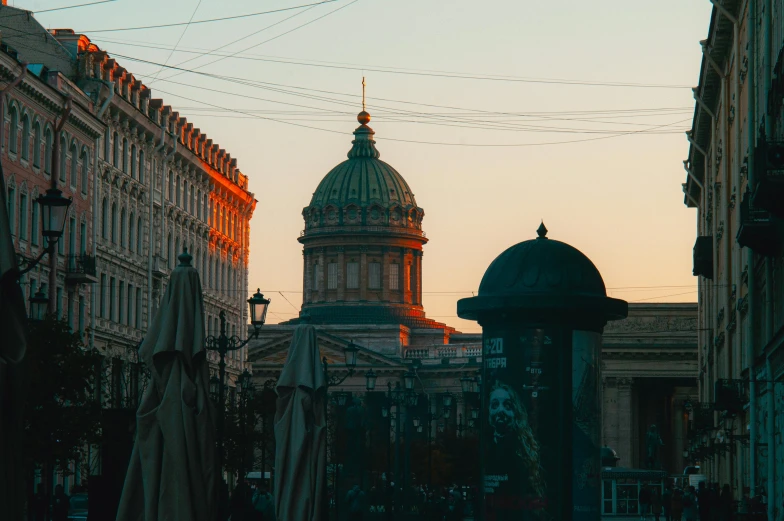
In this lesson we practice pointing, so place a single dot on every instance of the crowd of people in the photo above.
(705, 503)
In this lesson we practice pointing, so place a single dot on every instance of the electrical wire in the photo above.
(235, 17)
(174, 49)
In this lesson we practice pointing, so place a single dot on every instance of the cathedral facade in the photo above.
(363, 246)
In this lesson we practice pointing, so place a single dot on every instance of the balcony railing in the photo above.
(80, 268)
(758, 230)
(443, 352)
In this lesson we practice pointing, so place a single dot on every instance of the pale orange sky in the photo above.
(618, 200)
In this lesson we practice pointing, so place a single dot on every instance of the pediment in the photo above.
(272, 352)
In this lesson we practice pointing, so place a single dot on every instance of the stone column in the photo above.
(363, 273)
(323, 275)
(406, 266)
(610, 413)
(416, 297)
(307, 283)
(384, 275)
(625, 424)
(341, 273)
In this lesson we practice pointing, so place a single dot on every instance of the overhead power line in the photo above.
(210, 20)
(73, 6)
(407, 71)
(188, 24)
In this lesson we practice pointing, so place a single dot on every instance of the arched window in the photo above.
(37, 145)
(26, 137)
(125, 155)
(198, 204)
(104, 219)
(131, 234)
(13, 131)
(171, 186)
(116, 150)
(62, 174)
(133, 161)
(123, 227)
(85, 170)
(185, 195)
(177, 191)
(141, 166)
(74, 164)
(114, 223)
(48, 142)
(139, 234)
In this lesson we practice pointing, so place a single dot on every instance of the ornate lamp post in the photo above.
(54, 208)
(245, 390)
(222, 344)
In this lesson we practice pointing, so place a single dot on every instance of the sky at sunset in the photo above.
(497, 113)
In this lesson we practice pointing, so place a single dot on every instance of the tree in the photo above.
(62, 415)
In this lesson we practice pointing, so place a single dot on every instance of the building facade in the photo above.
(146, 185)
(732, 168)
(362, 285)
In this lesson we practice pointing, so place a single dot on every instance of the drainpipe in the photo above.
(149, 222)
(58, 127)
(750, 294)
(3, 96)
(96, 169)
(771, 423)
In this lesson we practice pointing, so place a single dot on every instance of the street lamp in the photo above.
(54, 208)
(370, 380)
(222, 344)
(408, 380)
(38, 303)
(467, 384)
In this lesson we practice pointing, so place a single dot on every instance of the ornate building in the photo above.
(362, 285)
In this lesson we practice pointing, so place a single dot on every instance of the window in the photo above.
(185, 195)
(81, 314)
(352, 275)
(85, 171)
(121, 302)
(114, 223)
(206, 208)
(102, 295)
(394, 276)
(116, 150)
(125, 156)
(171, 186)
(138, 314)
(74, 165)
(13, 135)
(123, 227)
(104, 219)
(71, 236)
(59, 303)
(141, 166)
(34, 231)
(131, 234)
(191, 207)
(133, 161)
(176, 252)
(332, 275)
(177, 191)
(12, 209)
(112, 297)
(129, 306)
(26, 137)
(411, 281)
(139, 234)
(37, 145)
(23, 217)
(69, 310)
(48, 142)
(374, 274)
(169, 249)
(62, 174)
(83, 237)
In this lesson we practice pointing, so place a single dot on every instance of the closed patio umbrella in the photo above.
(300, 432)
(172, 474)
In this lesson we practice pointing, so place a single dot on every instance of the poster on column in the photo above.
(586, 429)
(523, 430)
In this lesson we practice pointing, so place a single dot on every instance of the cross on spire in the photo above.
(363, 93)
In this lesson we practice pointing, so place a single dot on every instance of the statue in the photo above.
(652, 443)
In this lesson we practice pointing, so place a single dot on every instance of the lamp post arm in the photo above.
(35, 262)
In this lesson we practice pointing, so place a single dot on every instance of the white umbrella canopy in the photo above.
(300, 432)
(172, 475)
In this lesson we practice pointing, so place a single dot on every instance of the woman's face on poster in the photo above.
(502, 415)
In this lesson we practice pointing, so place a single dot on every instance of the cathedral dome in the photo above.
(363, 190)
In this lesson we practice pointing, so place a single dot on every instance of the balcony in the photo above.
(703, 257)
(769, 162)
(758, 229)
(444, 354)
(160, 268)
(80, 269)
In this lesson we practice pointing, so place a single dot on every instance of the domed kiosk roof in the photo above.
(542, 276)
(363, 179)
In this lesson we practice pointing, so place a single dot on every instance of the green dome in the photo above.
(363, 190)
(363, 179)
